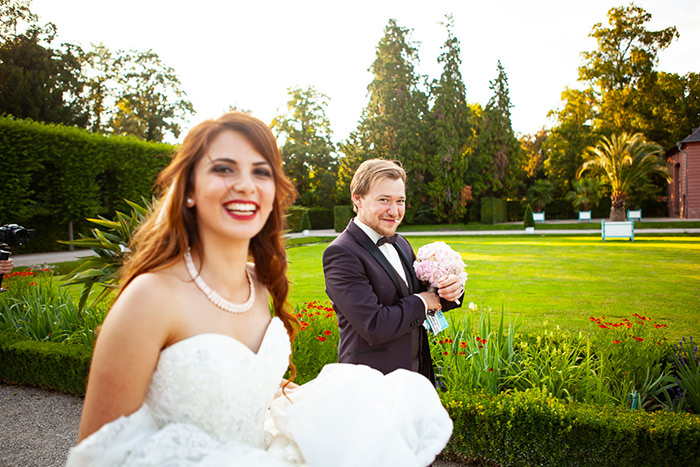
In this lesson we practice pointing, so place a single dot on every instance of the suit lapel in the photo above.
(411, 277)
(373, 249)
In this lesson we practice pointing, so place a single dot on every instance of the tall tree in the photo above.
(569, 138)
(626, 52)
(452, 133)
(37, 81)
(308, 153)
(393, 124)
(496, 168)
(625, 161)
(151, 102)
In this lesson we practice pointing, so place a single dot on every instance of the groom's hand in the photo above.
(450, 288)
(432, 300)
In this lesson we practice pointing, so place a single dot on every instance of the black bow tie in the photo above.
(390, 240)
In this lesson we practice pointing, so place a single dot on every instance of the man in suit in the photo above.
(381, 305)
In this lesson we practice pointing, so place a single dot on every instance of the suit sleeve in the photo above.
(356, 297)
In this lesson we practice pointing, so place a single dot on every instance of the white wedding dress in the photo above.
(211, 402)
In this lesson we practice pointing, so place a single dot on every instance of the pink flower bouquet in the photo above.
(435, 261)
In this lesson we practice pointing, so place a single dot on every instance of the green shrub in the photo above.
(532, 428)
(294, 218)
(320, 218)
(54, 175)
(341, 217)
(493, 210)
(53, 365)
(528, 221)
(305, 222)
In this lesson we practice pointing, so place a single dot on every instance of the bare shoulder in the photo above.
(150, 297)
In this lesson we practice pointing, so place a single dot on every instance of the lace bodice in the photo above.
(216, 383)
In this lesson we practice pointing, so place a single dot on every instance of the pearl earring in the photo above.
(190, 202)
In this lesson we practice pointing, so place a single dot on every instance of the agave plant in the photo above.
(111, 245)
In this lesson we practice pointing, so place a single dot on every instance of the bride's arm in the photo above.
(125, 356)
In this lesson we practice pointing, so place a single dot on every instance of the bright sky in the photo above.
(248, 53)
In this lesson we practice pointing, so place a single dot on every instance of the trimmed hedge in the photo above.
(320, 218)
(531, 428)
(520, 428)
(341, 217)
(46, 364)
(54, 174)
(493, 210)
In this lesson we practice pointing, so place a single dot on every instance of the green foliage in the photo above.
(308, 154)
(305, 222)
(493, 210)
(626, 52)
(341, 217)
(495, 169)
(112, 248)
(453, 134)
(528, 221)
(686, 367)
(320, 218)
(294, 217)
(36, 81)
(540, 194)
(395, 123)
(533, 428)
(316, 343)
(55, 175)
(59, 366)
(625, 161)
(586, 193)
(36, 308)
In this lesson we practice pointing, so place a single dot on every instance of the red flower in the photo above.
(602, 326)
(639, 339)
(616, 341)
(328, 333)
(445, 353)
(462, 344)
(490, 369)
(321, 338)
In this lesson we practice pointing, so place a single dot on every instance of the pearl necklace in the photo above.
(214, 297)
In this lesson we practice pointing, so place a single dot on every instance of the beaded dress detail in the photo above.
(211, 402)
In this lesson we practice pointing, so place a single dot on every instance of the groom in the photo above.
(381, 305)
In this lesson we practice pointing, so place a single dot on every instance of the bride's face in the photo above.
(234, 188)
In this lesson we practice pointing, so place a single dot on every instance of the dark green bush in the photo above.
(46, 364)
(294, 217)
(341, 217)
(321, 218)
(305, 222)
(493, 210)
(54, 175)
(531, 428)
(528, 221)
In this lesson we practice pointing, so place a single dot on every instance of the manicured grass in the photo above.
(570, 225)
(561, 280)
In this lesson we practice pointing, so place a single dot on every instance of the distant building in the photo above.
(684, 188)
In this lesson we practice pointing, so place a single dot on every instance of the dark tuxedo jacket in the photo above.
(380, 320)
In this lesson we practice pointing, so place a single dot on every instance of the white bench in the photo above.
(617, 229)
(634, 215)
(584, 216)
(538, 216)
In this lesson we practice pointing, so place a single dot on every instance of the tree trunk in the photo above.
(617, 211)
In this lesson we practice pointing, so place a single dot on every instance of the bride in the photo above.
(189, 364)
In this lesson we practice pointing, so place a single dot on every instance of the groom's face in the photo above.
(383, 206)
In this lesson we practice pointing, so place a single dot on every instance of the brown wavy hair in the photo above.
(171, 228)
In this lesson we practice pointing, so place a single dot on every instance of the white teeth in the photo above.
(241, 207)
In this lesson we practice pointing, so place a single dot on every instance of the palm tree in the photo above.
(586, 193)
(540, 194)
(624, 160)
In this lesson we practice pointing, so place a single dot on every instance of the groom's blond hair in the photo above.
(370, 172)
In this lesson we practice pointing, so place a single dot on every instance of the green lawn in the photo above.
(561, 280)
